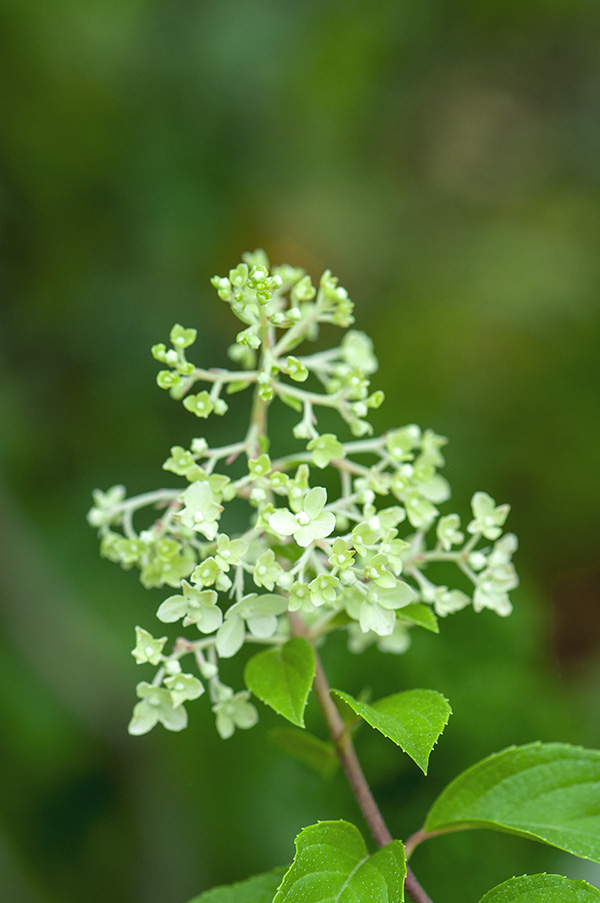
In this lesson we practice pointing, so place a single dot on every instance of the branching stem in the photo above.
(346, 753)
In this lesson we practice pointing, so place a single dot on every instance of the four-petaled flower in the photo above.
(323, 589)
(234, 711)
(309, 523)
(487, 518)
(448, 531)
(341, 555)
(183, 687)
(325, 448)
(195, 606)
(201, 512)
(201, 404)
(377, 610)
(229, 551)
(181, 337)
(376, 570)
(157, 705)
(258, 612)
(147, 648)
(181, 462)
(267, 570)
(259, 467)
(106, 506)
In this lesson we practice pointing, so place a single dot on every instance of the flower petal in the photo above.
(373, 617)
(314, 501)
(174, 719)
(230, 637)
(172, 609)
(145, 716)
(262, 626)
(323, 525)
(209, 618)
(283, 522)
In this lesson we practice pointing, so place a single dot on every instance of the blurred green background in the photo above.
(442, 158)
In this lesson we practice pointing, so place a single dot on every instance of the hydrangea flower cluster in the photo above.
(361, 559)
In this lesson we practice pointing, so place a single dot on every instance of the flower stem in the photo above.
(258, 417)
(344, 748)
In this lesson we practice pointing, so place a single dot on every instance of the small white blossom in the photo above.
(309, 523)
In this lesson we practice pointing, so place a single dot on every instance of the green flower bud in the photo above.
(259, 467)
(487, 518)
(400, 443)
(300, 598)
(159, 352)
(239, 276)
(206, 572)
(325, 449)
(295, 369)
(180, 461)
(342, 555)
(199, 404)
(166, 379)
(147, 649)
(223, 287)
(182, 338)
(448, 531)
(303, 290)
(184, 687)
(248, 337)
(323, 589)
(266, 570)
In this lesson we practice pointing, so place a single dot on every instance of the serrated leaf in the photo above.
(548, 792)
(308, 749)
(420, 614)
(282, 677)
(332, 865)
(542, 889)
(258, 889)
(413, 720)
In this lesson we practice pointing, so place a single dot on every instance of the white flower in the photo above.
(310, 523)
(448, 531)
(487, 518)
(106, 506)
(201, 511)
(260, 614)
(234, 711)
(157, 704)
(195, 606)
(378, 610)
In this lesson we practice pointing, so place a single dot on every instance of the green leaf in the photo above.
(307, 748)
(282, 677)
(420, 614)
(237, 385)
(258, 889)
(542, 889)
(548, 792)
(413, 720)
(332, 865)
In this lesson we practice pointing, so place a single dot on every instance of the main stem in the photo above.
(339, 734)
(347, 756)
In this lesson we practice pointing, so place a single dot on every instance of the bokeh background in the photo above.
(442, 158)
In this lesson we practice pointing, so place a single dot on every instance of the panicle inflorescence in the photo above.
(363, 561)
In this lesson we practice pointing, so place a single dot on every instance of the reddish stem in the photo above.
(347, 756)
